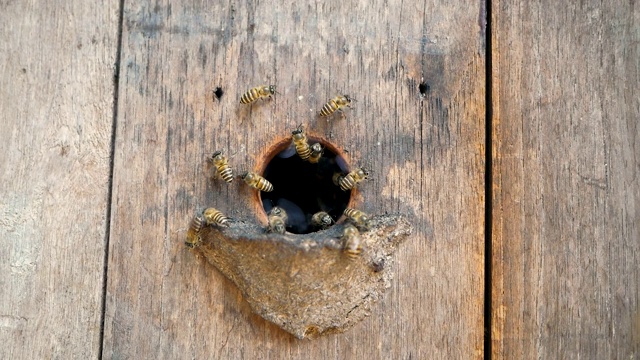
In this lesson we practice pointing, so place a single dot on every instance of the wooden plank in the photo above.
(56, 96)
(566, 192)
(427, 155)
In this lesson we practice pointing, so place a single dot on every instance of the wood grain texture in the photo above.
(56, 98)
(566, 280)
(427, 155)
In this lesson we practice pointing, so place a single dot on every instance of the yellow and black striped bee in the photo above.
(349, 181)
(193, 234)
(359, 218)
(352, 242)
(215, 217)
(300, 141)
(222, 166)
(316, 153)
(256, 181)
(258, 92)
(321, 220)
(335, 104)
(277, 220)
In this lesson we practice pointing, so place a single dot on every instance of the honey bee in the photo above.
(222, 166)
(316, 153)
(256, 181)
(359, 218)
(352, 242)
(321, 220)
(215, 217)
(337, 103)
(193, 234)
(277, 220)
(259, 92)
(300, 141)
(349, 181)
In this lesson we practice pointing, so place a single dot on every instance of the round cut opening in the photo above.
(303, 188)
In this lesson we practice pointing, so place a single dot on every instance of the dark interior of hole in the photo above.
(423, 87)
(218, 92)
(302, 188)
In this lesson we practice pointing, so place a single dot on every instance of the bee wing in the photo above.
(288, 152)
(267, 204)
(342, 164)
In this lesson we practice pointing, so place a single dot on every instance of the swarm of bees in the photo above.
(280, 217)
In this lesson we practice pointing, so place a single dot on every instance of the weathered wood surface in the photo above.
(427, 154)
(56, 101)
(566, 238)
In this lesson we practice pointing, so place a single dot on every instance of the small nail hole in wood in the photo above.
(218, 92)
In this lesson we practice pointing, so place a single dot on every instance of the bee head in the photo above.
(349, 98)
(216, 154)
(326, 219)
(245, 175)
(299, 130)
(272, 89)
(316, 147)
(279, 228)
(365, 172)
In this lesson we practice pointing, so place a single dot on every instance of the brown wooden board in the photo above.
(566, 239)
(427, 154)
(56, 101)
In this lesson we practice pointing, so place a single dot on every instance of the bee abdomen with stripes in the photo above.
(215, 217)
(222, 166)
(193, 234)
(256, 181)
(335, 104)
(258, 92)
(349, 181)
(352, 242)
(301, 143)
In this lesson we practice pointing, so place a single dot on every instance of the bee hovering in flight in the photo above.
(222, 166)
(256, 181)
(359, 218)
(258, 92)
(352, 242)
(336, 104)
(277, 220)
(193, 234)
(316, 153)
(321, 220)
(349, 181)
(215, 217)
(301, 143)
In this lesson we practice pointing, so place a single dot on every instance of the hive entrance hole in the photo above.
(302, 188)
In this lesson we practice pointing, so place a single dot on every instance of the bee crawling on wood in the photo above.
(316, 153)
(215, 217)
(349, 181)
(359, 218)
(301, 143)
(256, 181)
(336, 104)
(222, 166)
(352, 242)
(321, 220)
(193, 234)
(258, 92)
(277, 220)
